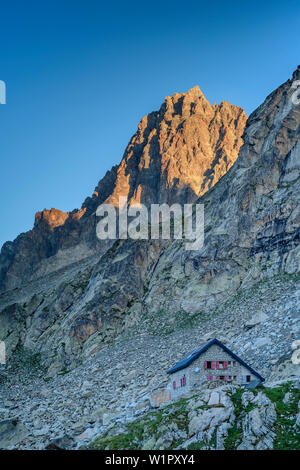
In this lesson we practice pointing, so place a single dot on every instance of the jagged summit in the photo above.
(180, 151)
(194, 93)
(53, 217)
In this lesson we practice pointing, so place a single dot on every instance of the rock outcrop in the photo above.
(177, 154)
(241, 420)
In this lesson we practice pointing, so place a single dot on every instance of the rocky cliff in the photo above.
(251, 232)
(136, 309)
(177, 154)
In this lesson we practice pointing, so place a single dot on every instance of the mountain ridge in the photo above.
(107, 328)
(177, 153)
(251, 232)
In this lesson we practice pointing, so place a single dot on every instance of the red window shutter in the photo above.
(213, 365)
(217, 364)
(205, 364)
(225, 364)
(226, 377)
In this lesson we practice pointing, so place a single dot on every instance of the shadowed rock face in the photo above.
(176, 155)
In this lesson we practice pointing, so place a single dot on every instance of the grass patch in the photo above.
(153, 425)
(196, 445)
(237, 402)
(287, 436)
(28, 361)
(233, 438)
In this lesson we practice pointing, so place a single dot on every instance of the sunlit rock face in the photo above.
(176, 155)
(252, 216)
(181, 151)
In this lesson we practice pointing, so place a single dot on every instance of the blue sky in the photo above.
(81, 74)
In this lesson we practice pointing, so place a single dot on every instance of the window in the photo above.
(234, 363)
(222, 364)
(209, 364)
(182, 383)
(246, 378)
(209, 377)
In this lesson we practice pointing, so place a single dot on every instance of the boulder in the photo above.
(214, 398)
(258, 318)
(11, 432)
(61, 443)
(259, 342)
(159, 397)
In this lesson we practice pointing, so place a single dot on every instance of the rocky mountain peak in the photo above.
(180, 151)
(176, 155)
(137, 307)
(296, 74)
(52, 218)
